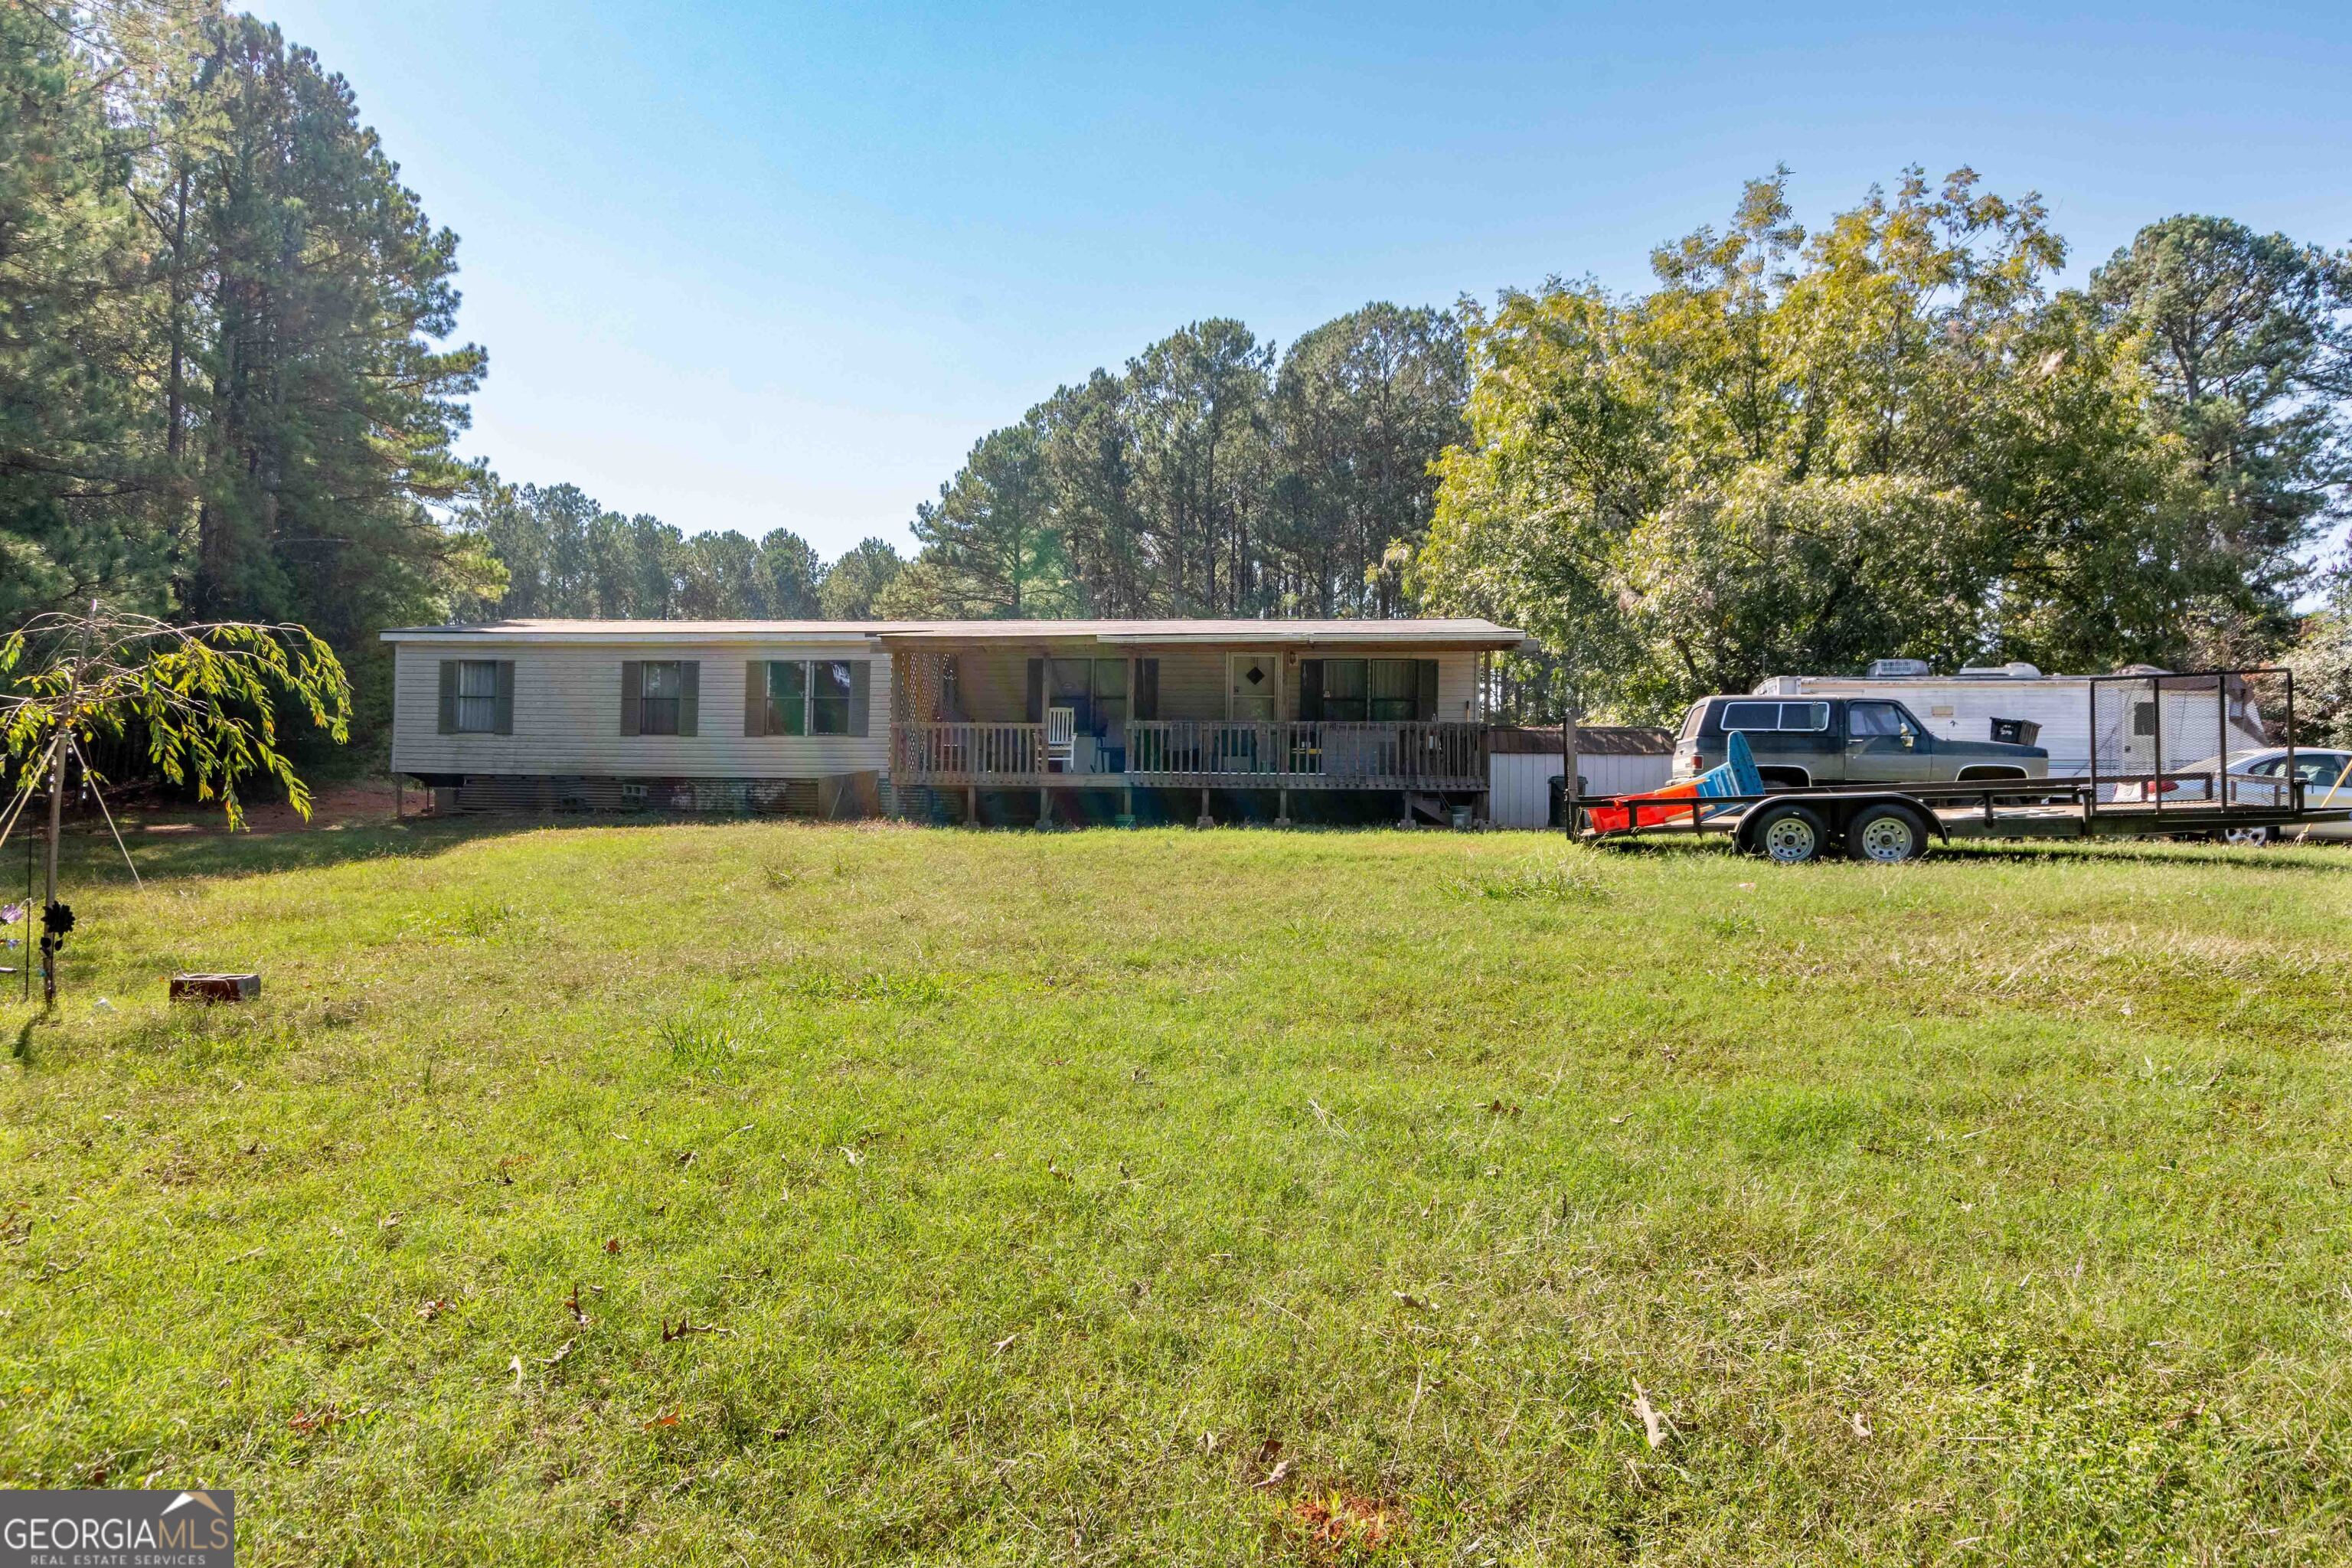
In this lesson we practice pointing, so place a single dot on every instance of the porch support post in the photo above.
(1206, 820)
(1126, 805)
(1045, 808)
(1282, 806)
(971, 805)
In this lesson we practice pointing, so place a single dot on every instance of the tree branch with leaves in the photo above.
(203, 699)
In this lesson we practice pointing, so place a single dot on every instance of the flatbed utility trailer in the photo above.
(2126, 799)
(1889, 824)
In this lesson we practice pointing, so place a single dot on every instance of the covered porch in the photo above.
(1075, 717)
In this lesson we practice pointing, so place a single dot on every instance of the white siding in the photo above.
(567, 715)
(1520, 783)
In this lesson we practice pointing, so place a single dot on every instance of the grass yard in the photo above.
(745, 1193)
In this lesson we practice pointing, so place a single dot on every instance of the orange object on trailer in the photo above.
(1735, 776)
(1618, 818)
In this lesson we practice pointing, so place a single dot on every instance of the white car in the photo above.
(2260, 779)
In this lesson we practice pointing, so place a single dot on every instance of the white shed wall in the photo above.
(1520, 783)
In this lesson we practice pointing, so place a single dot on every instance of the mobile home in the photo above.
(954, 721)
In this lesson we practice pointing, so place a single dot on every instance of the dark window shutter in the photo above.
(861, 694)
(448, 697)
(1311, 689)
(1147, 688)
(755, 699)
(1037, 692)
(1424, 707)
(504, 723)
(633, 693)
(690, 699)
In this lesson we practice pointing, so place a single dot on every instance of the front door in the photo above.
(1251, 682)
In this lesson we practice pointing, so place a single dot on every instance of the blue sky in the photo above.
(748, 265)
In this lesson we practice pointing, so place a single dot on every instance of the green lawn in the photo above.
(1017, 1193)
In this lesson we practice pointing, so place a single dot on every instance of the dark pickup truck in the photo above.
(1801, 743)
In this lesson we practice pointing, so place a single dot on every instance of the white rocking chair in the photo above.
(1061, 739)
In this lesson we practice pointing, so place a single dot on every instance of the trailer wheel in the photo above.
(1886, 835)
(1790, 835)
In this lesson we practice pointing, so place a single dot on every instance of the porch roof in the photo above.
(1474, 634)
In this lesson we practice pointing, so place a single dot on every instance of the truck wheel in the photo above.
(1790, 835)
(1886, 835)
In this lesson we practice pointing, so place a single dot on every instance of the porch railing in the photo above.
(1172, 750)
(969, 750)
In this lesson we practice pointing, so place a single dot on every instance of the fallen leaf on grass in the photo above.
(1861, 1424)
(557, 1359)
(579, 1314)
(612, 1245)
(515, 1363)
(668, 1420)
(433, 1306)
(1270, 1463)
(998, 1347)
(1653, 1425)
(1415, 1302)
(307, 1422)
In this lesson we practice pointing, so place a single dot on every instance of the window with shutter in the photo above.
(829, 691)
(477, 711)
(661, 697)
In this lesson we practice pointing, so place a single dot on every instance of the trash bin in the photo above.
(2016, 731)
(1559, 795)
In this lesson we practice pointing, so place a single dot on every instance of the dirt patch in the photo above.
(1341, 1526)
(356, 802)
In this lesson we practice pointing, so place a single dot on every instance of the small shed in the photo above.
(1611, 759)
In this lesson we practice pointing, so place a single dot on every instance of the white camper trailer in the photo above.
(2018, 702)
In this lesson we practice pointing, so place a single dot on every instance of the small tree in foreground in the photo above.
(203, 698)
